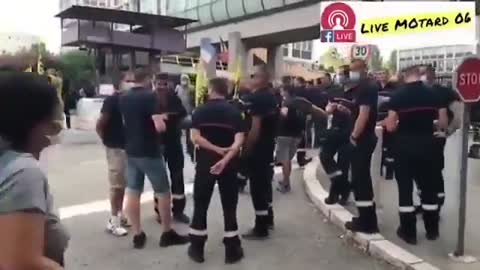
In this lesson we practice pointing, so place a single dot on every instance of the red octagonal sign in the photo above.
(467, 80)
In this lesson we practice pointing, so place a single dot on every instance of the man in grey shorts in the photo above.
(291, 127)
(143, 124)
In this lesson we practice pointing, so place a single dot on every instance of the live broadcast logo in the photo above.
(338, 36)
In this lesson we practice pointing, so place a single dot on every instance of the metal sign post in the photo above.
(467, 83)
(460, 250)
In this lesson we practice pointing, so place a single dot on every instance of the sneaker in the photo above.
(254, 234)
(282, 188)
(114, 227)
(172, 238)
(124, 222)
(182, 218)
(139, 240)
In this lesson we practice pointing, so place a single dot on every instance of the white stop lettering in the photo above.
(469, 78)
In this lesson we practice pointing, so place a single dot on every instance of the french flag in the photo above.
(207, 50)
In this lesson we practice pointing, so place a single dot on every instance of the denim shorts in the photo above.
(153, 168)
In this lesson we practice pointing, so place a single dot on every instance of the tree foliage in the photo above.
(29, 57)
(332, 59)
(392, 62)
(376, 60)
(79, 68)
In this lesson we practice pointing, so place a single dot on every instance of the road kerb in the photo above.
(375, 245)
(422, 266)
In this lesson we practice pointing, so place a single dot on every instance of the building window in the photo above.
(285, 50)
(307, 45)
(296, 53)
(307, 55)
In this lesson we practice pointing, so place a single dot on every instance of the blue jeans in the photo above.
(153, 168)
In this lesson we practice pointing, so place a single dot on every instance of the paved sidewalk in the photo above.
(435, 252)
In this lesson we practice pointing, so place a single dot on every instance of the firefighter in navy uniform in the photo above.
(173, 152)
(388, 87)
(237, 101)
(447, 96)
(337, 141)
(217, 131)
(263, 112)
(363, 139)
(413, 109)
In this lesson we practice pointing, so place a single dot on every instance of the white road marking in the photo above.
(104, 205)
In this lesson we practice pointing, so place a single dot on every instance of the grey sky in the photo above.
(33, 17)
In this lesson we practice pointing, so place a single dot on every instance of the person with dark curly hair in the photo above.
(32, 236)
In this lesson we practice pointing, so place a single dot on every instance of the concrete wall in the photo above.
(278, 28)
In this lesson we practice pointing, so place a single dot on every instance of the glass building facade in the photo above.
(146, 6)
(213, 11)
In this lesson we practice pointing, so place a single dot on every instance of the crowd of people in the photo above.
(233, 136)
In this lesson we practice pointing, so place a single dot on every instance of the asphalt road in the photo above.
(301, 240)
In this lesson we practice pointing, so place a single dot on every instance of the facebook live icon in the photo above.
(338, 23)
(338, 36)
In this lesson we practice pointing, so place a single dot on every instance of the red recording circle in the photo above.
(338, 14)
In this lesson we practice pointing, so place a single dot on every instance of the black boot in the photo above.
(270, 221)
(233, 249)
(408, 228)
(431, 219)
(196, 248)
(389, 175)
(260, 231)
(344, 191)
(334, 195)
(365, 223)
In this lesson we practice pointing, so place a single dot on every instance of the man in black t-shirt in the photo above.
(413, 109)
(110, 129)
(217, 130)
(172, 105)
(259, 147)
(363, 140)
(290, 131)
(143, 123)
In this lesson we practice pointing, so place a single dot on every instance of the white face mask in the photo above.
(125, 86)
(354, 76)
(184, 82)
(340, 79)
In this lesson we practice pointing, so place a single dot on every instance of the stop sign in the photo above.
(467, 80)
